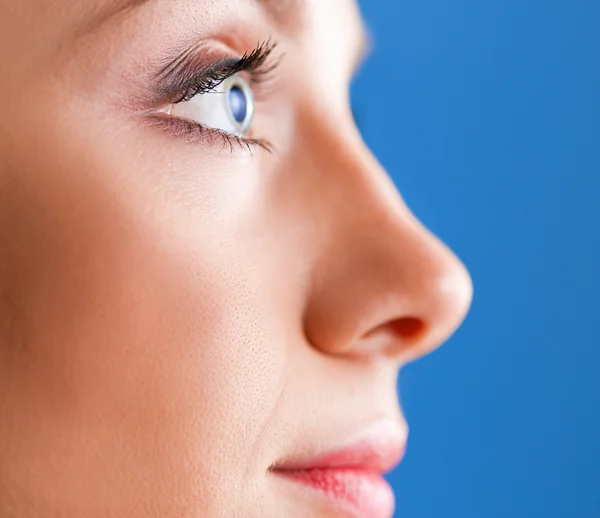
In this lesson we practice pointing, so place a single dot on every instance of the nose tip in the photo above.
(402, 300)
(447, 294)
(427, 308)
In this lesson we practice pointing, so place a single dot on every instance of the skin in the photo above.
(176, 318)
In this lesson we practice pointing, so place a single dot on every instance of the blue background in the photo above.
(487, 116)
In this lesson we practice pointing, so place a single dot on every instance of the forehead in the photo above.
(62, 16)
(285, 13)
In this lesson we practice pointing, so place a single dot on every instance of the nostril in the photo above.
(409, 328)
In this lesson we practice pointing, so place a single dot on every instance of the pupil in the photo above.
(238, 104)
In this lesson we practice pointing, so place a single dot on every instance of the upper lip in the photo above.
(377, 449)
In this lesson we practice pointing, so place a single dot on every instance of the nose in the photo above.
(382, 283)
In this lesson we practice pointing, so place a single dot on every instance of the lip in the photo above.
(350, 477)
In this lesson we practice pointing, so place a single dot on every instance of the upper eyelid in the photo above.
(184, 77)
(204, 81)
(167, 82)
(189, 70)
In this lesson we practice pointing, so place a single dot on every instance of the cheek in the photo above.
(141, 356)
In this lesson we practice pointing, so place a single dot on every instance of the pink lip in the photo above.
(351, 477)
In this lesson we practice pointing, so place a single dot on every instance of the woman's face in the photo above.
(199, 304)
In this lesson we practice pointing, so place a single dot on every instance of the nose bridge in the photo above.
(380, 272)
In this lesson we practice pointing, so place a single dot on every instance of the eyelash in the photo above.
(258, 64)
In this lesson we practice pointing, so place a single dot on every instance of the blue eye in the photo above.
(238, 104)
(229, 108)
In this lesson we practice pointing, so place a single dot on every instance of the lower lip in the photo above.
(359, 493)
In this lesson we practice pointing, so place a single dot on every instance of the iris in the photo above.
(238, 104)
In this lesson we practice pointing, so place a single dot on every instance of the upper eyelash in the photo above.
(258, 63)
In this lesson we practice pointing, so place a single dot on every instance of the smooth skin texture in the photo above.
(175, 318)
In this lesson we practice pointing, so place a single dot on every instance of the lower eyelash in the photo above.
(194, 133)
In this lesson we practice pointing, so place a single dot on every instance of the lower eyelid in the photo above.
(194, 133)
(188, 131)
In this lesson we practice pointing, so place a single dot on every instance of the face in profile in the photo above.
(207, 282)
